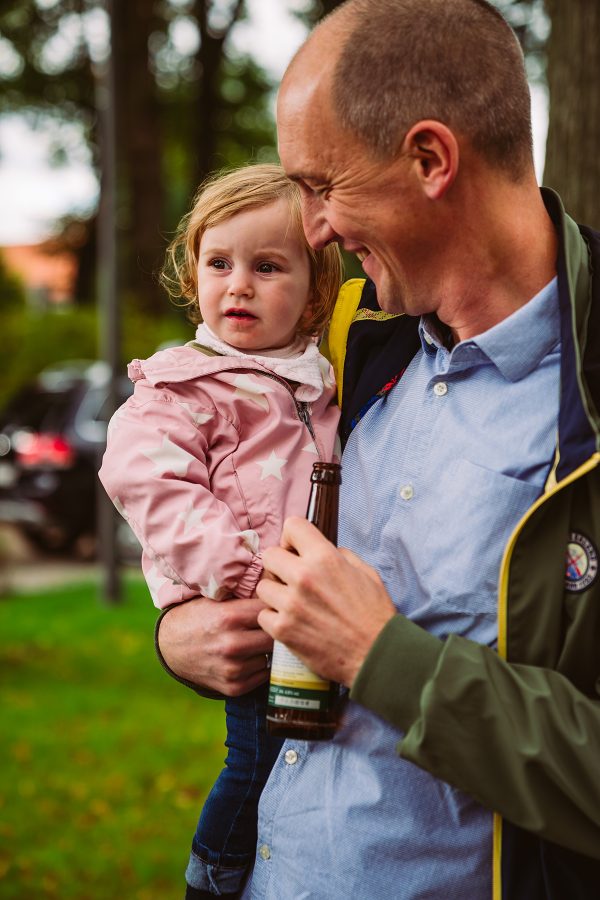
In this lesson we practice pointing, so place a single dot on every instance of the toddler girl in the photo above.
(215, 447)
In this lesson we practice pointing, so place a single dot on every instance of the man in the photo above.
(467, 762)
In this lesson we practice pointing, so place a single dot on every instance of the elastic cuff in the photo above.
(203, 692)
(246, 586)
(397, 667)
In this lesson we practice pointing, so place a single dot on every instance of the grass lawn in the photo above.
(104, 760)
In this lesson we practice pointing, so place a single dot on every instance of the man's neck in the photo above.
(506, 254)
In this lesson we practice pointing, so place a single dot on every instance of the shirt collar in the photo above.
(517, 344)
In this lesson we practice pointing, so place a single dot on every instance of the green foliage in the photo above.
(105, 760)
(12, 292)
(35, 339)
(243, 130)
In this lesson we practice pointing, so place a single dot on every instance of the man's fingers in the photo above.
(268, 620)
(245, 645)
(300, 535)
(237, 688)
(243, 613)
(244, 676)
(281, 565)
(299, 540)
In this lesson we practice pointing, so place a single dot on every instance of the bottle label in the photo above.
(293, 685)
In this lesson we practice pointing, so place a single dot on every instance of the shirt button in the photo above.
(406, 492)
(428, 338)
(440, 388)
(291, 757)
(264, 852)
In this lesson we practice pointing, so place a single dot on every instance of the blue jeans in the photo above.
(225, 841)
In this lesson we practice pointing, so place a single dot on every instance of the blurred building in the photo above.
(47, 270)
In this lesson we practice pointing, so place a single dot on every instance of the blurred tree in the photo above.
(317, 10)
(572, 157)
(12, 292)
(183, 106)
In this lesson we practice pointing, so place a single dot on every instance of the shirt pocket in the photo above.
(462, 547)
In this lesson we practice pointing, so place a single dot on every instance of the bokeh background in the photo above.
(104, 760)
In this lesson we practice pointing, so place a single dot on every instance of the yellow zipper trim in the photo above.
(497, 851)
(587, 466)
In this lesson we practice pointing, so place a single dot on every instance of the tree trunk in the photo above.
(210, 58)
(140, 197)
(572, 151)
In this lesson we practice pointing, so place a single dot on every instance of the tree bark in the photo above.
(139, 146)
(572, 164)
(210, 58)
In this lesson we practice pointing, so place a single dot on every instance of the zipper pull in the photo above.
(304, 413)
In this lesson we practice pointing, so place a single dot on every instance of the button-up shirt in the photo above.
(435, 478)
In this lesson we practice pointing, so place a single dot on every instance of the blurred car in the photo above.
(52, 436)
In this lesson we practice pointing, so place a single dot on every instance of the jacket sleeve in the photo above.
(520, 739)
(155, 472)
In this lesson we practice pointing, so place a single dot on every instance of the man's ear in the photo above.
(435, 153)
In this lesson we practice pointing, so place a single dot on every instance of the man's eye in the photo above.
(265, 268)
(318, 190)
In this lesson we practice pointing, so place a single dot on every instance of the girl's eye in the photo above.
(217, 264)
(265, 268)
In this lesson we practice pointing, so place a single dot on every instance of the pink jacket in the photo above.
(206, 460)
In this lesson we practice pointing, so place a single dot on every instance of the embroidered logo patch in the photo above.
(582, 563)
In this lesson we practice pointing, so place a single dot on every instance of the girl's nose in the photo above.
(240, 284)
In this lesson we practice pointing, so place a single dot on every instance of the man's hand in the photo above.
(327, 606)
(216, 645)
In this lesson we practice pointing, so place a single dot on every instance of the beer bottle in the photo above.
(302, 705)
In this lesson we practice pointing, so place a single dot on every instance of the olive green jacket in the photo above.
(518, 729)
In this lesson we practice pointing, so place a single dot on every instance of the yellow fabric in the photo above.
(334, 343)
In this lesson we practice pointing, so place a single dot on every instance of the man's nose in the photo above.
(316, 226)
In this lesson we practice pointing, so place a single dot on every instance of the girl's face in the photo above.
(254, 278)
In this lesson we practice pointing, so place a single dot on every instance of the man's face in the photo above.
(372, 208)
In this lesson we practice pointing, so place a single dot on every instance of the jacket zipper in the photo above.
(585, 467)
(301, 406)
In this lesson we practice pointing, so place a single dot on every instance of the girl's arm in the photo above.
(155, 471)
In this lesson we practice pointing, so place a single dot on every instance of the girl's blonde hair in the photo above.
(223, 195)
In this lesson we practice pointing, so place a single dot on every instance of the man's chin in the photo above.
(389, 296)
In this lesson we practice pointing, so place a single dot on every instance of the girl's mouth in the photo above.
(239, 314)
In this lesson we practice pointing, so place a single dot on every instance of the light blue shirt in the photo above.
(435, 477)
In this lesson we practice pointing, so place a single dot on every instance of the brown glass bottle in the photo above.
(302, 705)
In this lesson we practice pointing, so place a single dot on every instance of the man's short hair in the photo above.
(455, 61)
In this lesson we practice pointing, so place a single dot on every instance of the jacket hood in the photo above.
(308, 377)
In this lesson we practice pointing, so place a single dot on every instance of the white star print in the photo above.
(155, 580)
(119, 507)
(250, 540)
(337, 449)
(169, 458)
(211, 589)
(197, 418)
(191, 517)
(251, 390)
(271, 466)
(310, 448)
(114, 423)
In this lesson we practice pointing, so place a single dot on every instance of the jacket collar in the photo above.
(579, 302)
